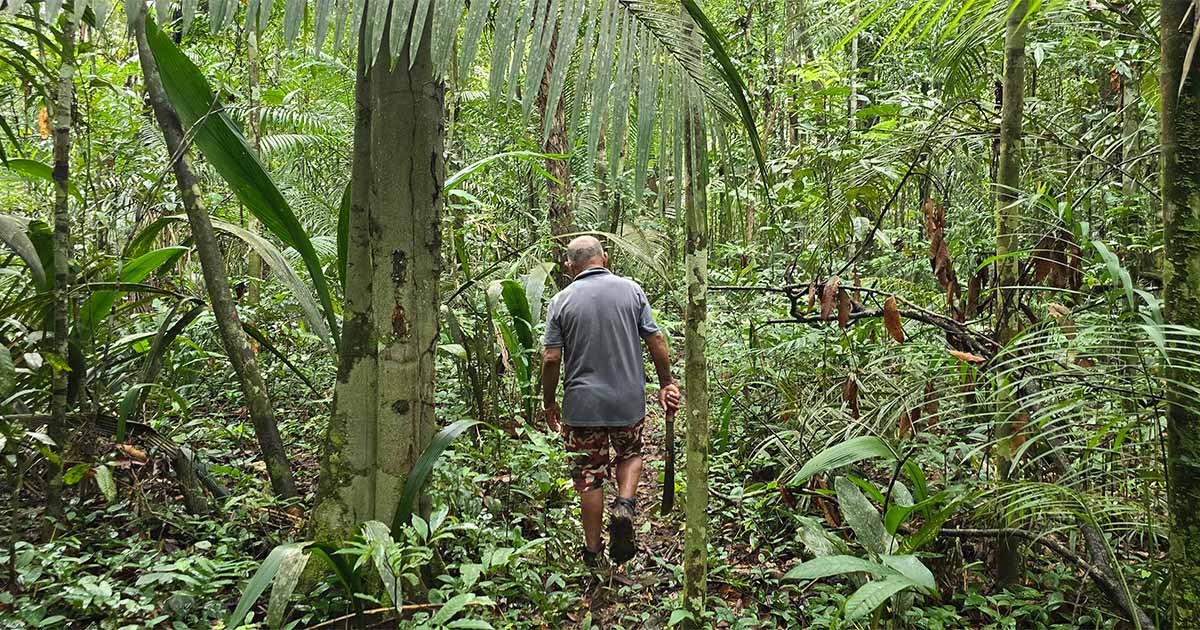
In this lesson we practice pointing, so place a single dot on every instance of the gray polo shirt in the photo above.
(599, 321)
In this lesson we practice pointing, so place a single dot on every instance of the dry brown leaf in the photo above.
(967, 356)
(850, 395)
(828, 295)
(906, 424)
(931, 404)
(939, 253)
(43, 123)
(812, 295)
(134, 453)
(891, 319)
(843, 308)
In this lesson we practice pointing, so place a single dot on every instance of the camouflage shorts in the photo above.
(589, 452)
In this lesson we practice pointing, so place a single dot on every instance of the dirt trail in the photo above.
(643, 583)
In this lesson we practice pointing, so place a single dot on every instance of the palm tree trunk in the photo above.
(384, 410)
(1181, 212)
(695, 544)
(1008, 219)
(57, 428)
(212, 265)
(562, 220)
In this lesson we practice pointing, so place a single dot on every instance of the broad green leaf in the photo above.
(863, 518)
(226, 149)
(104, 480)
(76, 473)
(258, 583)
(420, 470)
(1118, 272)
(99, 304)
(535, 287)
(838, 455)
(912, 568)
(873, 594)
(14, 233)
(38, 171)
(291, 567)
(451, 608)
(826, 566)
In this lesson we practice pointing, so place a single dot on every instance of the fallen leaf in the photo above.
(891, 319)
(134, 453)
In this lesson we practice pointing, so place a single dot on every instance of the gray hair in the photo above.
(583, 249)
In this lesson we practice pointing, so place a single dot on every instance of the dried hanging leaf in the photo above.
(1057, 260)
(967, 356)
(850, 395)
(931, 404)
(1062, 315)
(891, 319)
(843, 308)
(939, 253)
(905, 424)
(1016, 434)
(828, 295)
(43, 123)
(812, 295)
(832, 516)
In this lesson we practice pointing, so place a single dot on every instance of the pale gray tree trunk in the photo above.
(212, 265)
(384, 409)
(57, 428)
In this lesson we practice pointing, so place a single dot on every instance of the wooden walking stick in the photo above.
(668, 499)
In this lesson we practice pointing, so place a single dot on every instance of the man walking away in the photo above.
(598, 322)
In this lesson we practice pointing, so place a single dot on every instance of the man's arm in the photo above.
(668, 394)
(551, 365)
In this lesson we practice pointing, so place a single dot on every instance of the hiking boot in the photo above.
(592, 558)
(620, 530)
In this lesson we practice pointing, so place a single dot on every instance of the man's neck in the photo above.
(590, 268)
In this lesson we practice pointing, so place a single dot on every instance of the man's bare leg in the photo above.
(629, 473)
(592, 506)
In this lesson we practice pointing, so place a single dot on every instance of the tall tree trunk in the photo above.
(254, 261)
(212, 265)
(62, 262)
(562, 220)
(1181, 216)
(695, 544)
(1008, 220)
(384, 409)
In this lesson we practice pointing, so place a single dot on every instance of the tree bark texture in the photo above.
(384, 398)
(212, 265)
(254, 262)
(562, 220)
(695, 545)
(1008, 221)
(61, 174)
(1181, 218)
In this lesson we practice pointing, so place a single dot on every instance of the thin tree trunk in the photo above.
(212, 265)
(384, 409)
(1008, 219)
(562, 219)
(695, 544)
(1181, 213)
(62, 263)
(254, 261)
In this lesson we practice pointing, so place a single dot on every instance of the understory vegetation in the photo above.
(274, 274)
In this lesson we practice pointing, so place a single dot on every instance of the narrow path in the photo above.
(642, 584)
